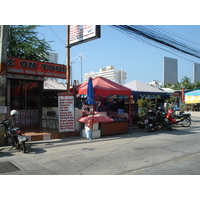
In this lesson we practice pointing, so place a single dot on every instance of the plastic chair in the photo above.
(44, 118)
(52, 119)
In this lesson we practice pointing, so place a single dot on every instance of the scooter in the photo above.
(14, 136)
(181, 119)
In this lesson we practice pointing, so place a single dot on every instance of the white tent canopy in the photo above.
(140, 87)
(53, 84)
(168, 90)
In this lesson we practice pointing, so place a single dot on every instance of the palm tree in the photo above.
(186, 83)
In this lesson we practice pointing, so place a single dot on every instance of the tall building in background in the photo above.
(53, 58)
(117, 76)
(196, 72)
(170, 70)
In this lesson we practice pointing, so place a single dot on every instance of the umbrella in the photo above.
(90, 93)
(96, 118)
(90, 101)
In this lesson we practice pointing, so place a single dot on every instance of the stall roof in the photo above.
(52, 84)
(138, 87)
(104, 87)
(193, 93)
(168, 90)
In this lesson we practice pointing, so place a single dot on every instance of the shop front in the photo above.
(25, 92)
(25, 97)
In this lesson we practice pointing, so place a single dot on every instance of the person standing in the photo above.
(90, 126)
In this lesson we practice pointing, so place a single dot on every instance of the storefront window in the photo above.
(25, 98)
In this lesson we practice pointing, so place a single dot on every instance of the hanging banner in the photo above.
(192, 99)
(66, 112)
(36, 68)
(83, 33)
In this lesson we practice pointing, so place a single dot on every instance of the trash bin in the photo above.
(2, 132)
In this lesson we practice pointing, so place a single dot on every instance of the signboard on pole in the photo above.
(83, 33)
(66, 112)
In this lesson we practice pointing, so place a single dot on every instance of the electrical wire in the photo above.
(56, 35)
(160, 38)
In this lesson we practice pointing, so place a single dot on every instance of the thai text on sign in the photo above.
(66, 112)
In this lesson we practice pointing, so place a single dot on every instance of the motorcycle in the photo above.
(14, 136)
(151, 121)
(157, 119)
(181, 119)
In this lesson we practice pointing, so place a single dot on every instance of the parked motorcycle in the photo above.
(14, 136)
(163, 119)
(181, 119)
(157, 119)
(151, 121)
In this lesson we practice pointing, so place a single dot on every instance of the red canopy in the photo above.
(104, 87)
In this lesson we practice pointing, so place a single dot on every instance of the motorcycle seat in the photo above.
(183, 115)
(14, 130)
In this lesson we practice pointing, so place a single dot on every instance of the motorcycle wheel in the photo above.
(22, 147)
(186, 122)
(149, 129)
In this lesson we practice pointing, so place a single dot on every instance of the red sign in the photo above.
(29, 67)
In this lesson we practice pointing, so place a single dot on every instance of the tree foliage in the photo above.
(185, 82)
(24, 43)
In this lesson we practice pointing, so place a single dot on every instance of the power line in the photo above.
(159, 38)
(56, 35)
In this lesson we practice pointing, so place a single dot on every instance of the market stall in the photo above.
(142, 90)
(192, 100)
(102, 89)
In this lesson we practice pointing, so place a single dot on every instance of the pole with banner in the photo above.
(75, 34)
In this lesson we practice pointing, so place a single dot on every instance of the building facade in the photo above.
(53, 57)
(170, 70)
(196, 72)
(117, 76)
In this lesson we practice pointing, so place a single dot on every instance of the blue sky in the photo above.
(141, 61)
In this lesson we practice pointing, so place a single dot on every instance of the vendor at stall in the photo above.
(100, 108)
(85, 109)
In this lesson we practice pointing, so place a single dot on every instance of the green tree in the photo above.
(196, 85)
(24, 43)
(186, 83)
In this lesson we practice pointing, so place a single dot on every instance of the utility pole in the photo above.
(71, 72)
(4, 30)
(68, 60)
(81, 57)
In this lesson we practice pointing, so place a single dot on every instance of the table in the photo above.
(115, 127)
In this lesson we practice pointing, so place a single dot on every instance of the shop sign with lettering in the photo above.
(3, 109)
(21, 66)
(83, 33)
(66, 112)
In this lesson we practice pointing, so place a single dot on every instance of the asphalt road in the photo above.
(163, 152)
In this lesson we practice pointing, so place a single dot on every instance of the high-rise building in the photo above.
(117, 76)
(170, 70)
(53, 58)
(196, 72)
